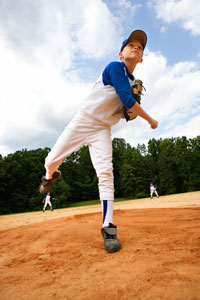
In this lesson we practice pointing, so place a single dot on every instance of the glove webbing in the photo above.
(136, 89)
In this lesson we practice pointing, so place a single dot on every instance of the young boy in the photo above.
(92, 126)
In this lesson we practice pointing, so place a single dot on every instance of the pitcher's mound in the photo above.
(65, 258)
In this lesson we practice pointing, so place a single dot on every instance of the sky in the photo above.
(52, 52)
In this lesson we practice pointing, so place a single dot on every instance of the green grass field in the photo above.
(95, 202)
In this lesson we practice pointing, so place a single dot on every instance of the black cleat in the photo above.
(47, 183)
(111, 242)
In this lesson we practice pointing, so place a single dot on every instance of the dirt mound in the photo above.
(65, 258)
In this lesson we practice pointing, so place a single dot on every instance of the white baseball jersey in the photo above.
(152, 188)
(104, 105)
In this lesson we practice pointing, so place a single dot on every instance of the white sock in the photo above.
(47, 175)
(107, 212)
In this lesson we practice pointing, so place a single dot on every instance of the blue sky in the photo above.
(52, 52)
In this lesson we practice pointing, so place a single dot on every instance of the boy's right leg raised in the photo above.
(68, 142)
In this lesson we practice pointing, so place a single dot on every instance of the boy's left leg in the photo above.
(109, 230)
(100, 147)
(107, 212)
(45, 205)
(50, 205)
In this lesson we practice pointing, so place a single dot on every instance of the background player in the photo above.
(153, 190)
(92, 124)
(47, 200)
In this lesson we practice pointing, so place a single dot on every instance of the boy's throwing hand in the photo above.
(153, 123)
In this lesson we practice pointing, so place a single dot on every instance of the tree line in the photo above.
(172, 164)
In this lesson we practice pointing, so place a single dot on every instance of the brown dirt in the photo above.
(60, 254)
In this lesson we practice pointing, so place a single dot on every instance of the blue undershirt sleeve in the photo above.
(114, 75)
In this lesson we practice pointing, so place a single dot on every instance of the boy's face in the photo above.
(133, 50)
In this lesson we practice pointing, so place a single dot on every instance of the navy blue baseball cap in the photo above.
(139, 35)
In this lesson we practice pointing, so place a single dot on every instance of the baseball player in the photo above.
(110, 100)
(153, 190)
(47, 200)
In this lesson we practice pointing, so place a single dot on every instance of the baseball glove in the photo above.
(137, 92)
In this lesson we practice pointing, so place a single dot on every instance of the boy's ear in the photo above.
(120, 54)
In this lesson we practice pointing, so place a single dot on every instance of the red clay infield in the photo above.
(64, 257)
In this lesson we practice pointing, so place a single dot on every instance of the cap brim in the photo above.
(138, 35)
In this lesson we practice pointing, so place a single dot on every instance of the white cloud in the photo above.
(53, 32)
(128, 5)
(36, 32)
(187, 12)
(97, 33)
(41, 43)
(163, 29)
(35, 99)
(172, 87)
(189, 129)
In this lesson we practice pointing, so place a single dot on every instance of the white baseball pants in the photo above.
(100, 148)
(154, 191)
(47, 201)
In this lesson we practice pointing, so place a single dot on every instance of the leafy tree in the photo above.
(167, 168)
(119, 148)
(79, 173)
(152, 161)
(193, 183)
(22, 172)
(172, 164)
(61, 191)
(181, 158)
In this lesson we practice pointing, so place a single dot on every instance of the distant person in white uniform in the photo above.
(92, 124)
(47, 200)
(153, 190)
